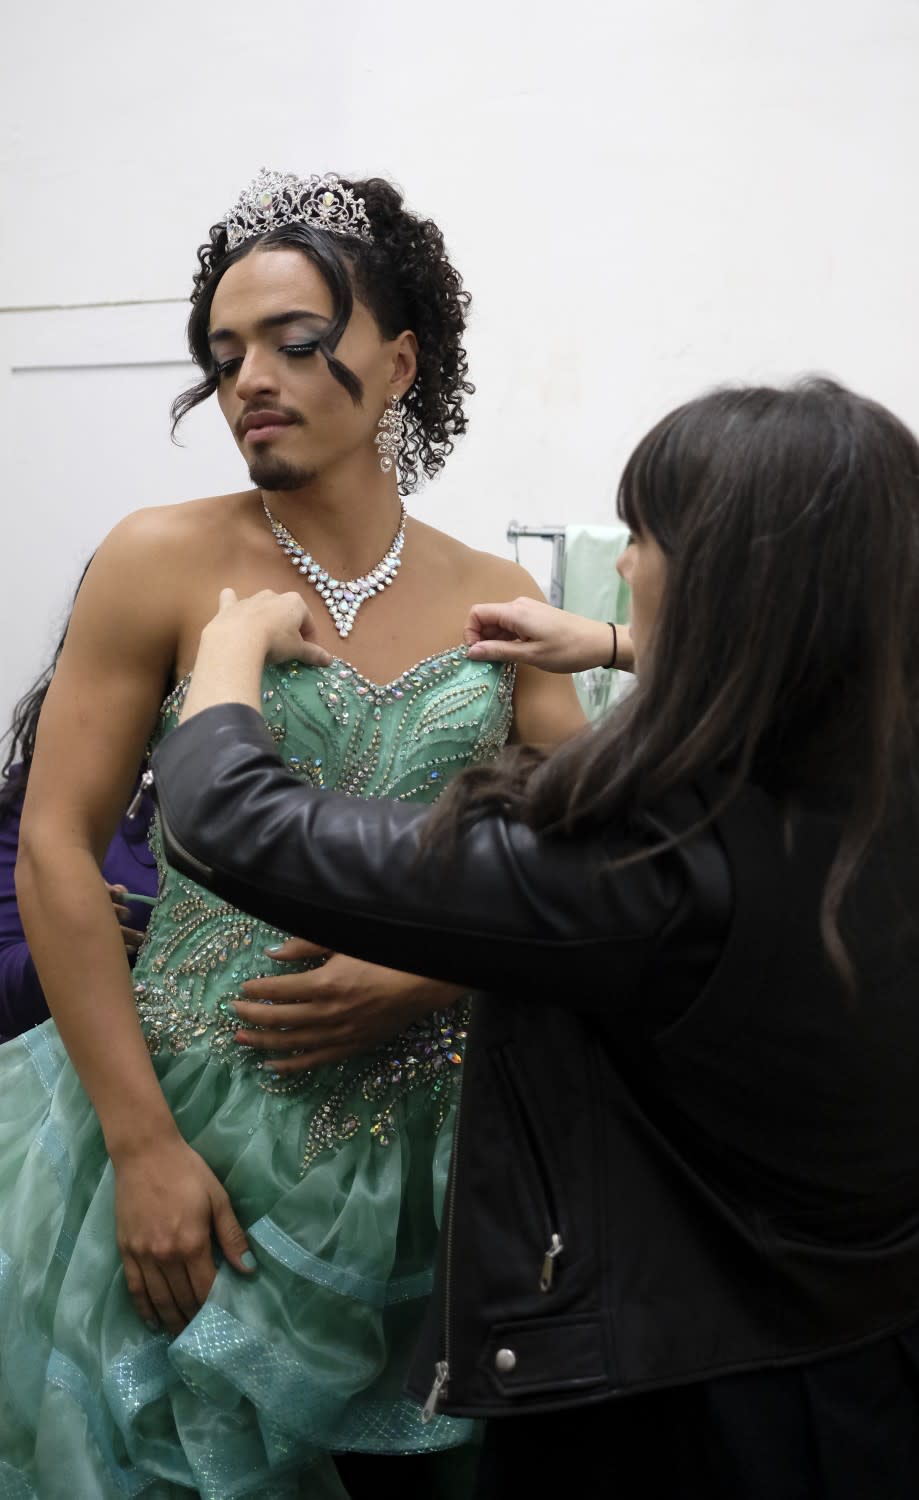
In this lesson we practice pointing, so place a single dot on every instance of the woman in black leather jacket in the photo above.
(680, 1255)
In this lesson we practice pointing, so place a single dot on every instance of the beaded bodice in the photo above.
(337, 729)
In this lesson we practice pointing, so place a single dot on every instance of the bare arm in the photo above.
(546, 707)
(94, 728)
(533, 633)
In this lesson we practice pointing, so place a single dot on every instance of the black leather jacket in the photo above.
(681, 1152)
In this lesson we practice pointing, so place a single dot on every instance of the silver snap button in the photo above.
(505, 1360)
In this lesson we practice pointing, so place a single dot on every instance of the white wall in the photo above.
(644, 199)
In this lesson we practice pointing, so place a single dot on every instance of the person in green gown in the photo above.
(216, 1239)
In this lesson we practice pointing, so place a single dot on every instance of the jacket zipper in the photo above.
(144, 785)
(548, 1263)
(170, 840)
(556, 1244)
(441, 1376)
(442, 1366)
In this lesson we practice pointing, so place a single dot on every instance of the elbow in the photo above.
(38, 858)
(28, 871)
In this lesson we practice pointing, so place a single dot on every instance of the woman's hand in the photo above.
(281, 624)
(169, 1207)
(531, 632)
(332, 1013)
(242, 636)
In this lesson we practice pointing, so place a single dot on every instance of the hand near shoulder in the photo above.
(242, 636)
(279, 627)
(535, 634)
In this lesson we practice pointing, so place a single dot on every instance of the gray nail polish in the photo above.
(248, 1260)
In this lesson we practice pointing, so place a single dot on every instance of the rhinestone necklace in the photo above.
(342, 598)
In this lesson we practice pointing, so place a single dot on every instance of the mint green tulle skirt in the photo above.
(279, 1370)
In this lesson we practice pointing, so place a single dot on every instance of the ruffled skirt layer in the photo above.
(279, 1370)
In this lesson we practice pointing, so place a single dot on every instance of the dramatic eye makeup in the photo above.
(304, 340)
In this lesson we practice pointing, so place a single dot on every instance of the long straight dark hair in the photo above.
(20, 736)
(20, 742)
(786, 650)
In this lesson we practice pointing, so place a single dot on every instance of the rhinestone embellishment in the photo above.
(273, 199)
(334, 727)
(342, 598)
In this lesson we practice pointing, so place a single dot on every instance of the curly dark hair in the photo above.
(404, 278)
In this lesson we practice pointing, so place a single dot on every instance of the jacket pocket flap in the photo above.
(546, 1354)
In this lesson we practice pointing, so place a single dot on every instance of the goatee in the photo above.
(269, 472)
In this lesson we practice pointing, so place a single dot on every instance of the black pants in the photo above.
(413, 1476)
(369, 1476)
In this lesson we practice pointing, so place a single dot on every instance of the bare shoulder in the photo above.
(145, 574)
(546, 708)
(479, 576)
(168, 528)
(501, 577)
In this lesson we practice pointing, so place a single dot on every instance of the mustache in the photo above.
(287, 412)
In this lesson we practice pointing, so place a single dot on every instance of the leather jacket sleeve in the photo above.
(507, 910)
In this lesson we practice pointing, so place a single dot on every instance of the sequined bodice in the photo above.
(335, 728)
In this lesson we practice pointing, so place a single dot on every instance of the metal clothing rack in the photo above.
(554, 534)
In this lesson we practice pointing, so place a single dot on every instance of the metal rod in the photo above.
(514, 529)
(554, 534)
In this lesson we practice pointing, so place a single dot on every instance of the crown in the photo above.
(276, 198)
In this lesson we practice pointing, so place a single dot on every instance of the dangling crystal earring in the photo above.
(392, 431)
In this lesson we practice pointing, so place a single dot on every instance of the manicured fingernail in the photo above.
(273, 952)
(248, 1260)
(153, 1327)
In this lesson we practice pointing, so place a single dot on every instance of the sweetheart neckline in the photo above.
(337, 662)
(449, 653)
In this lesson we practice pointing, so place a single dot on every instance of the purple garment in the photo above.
(128, 863)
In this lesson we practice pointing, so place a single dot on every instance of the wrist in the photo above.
(423, 997)
(129, 1140)
(131, 1134)
(227, 669)
(439, 994)
(224, 640)
(599, 643)
(614, 652)
(625, 658)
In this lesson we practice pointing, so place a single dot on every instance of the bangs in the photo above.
(648, 498)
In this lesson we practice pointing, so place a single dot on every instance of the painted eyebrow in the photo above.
(277, 320)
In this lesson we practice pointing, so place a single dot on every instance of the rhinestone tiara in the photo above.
(276, 198)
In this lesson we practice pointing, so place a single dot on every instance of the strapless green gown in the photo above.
(338, 1178)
